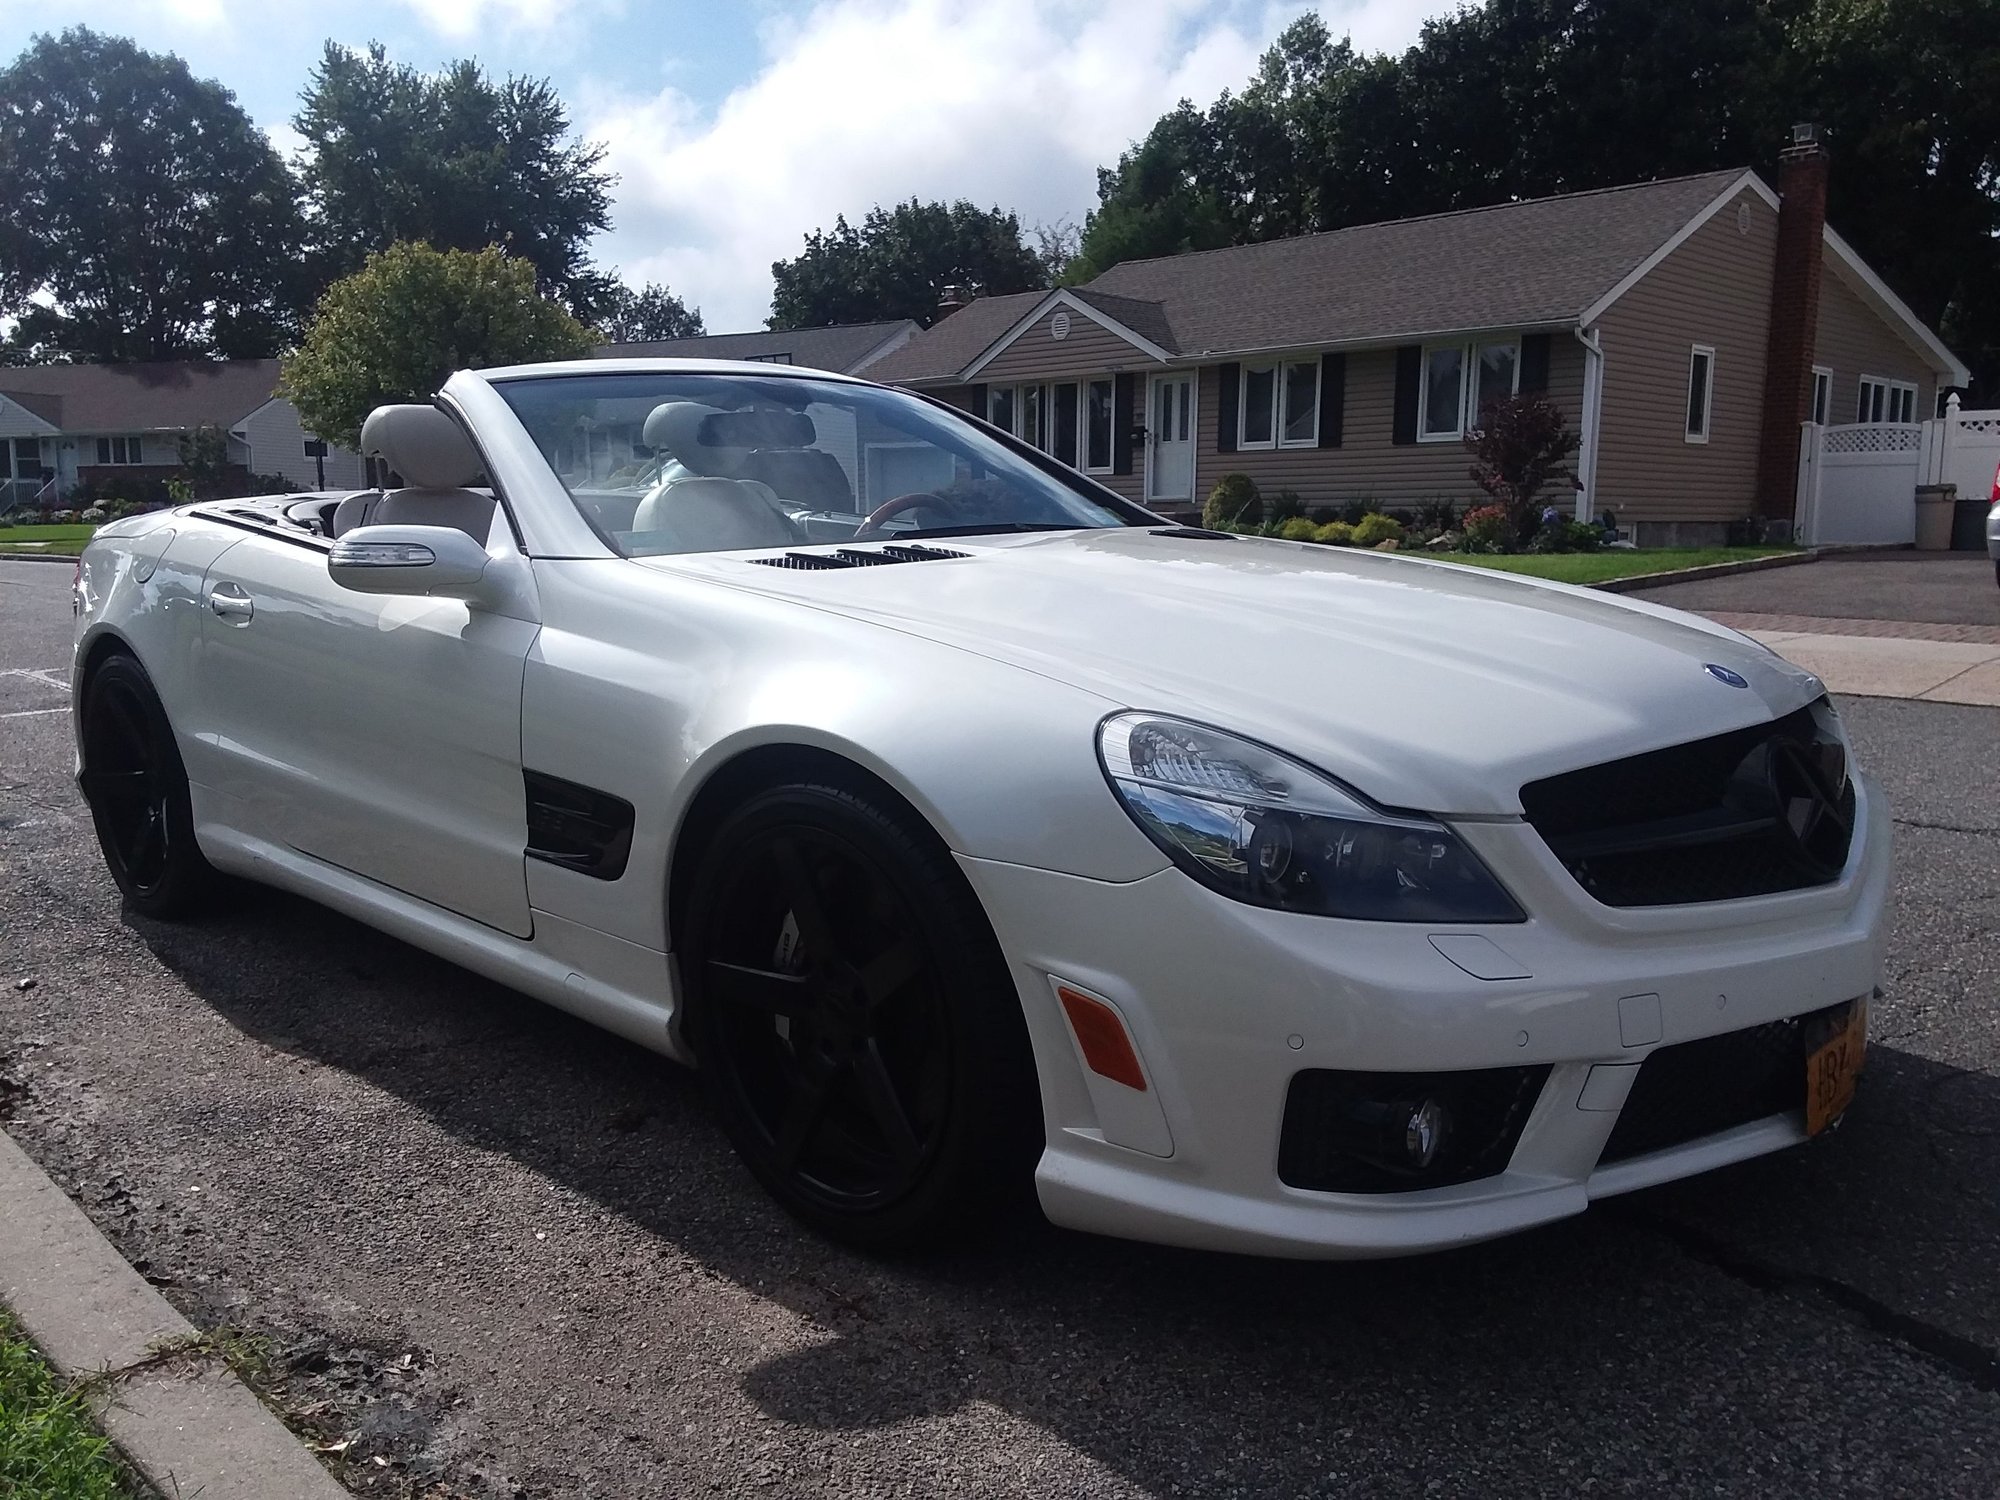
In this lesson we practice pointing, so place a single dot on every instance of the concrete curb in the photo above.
(68, 557)
(190, 1430)
(1711, 570)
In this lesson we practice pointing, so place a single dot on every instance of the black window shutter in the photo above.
(1409, 371)
(1332, 398)
(1227, 379)
(1535, 364)
(1121, 423)
(975, 401)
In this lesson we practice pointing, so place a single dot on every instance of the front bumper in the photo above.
(1226, 1002)
(1993, 532)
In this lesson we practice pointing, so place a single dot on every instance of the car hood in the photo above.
(1421, 684)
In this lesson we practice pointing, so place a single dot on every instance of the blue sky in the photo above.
(736, 126)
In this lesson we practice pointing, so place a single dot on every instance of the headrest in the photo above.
(682, 427)
(423, 445)
(676, 427)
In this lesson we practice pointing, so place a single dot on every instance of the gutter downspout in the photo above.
(1593, 409)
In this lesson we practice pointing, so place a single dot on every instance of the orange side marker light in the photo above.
(1106, 1047)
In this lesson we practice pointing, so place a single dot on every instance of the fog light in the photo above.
(1424, 1131)
(1393, 1132)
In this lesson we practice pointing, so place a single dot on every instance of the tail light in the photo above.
(1996, 484)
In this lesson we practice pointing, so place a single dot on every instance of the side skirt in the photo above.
(625, 988)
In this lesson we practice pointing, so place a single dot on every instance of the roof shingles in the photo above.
(1514, 265)
(168, 397)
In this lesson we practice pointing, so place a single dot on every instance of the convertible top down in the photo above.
(972, 829)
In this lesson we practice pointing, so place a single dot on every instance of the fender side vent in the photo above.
(853, 557)
(577, 827)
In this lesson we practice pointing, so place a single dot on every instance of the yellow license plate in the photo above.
(1833, 1067)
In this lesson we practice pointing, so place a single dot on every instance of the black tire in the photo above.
(855, 1021)
(138, 795)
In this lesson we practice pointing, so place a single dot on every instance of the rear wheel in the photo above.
(138, 795)
(855, 1021)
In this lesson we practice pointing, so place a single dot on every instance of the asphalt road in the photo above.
(1937, 588)
(510, 1256)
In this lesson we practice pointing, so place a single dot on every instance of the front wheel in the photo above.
(855, 1021)
(138, 795)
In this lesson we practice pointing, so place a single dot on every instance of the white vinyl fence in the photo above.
(1858, 481)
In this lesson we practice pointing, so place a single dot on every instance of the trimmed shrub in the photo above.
(1233, 502)
(1373, 530)
(1299, 529)
(1335, 534)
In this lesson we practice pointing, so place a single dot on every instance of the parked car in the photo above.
(972, 828)
(1993, 526)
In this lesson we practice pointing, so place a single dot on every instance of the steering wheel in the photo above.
(915, 500)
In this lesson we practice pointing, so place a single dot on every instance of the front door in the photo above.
(375, 732)
(1170, 439)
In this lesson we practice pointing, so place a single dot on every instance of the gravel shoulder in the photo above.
(506, 1255)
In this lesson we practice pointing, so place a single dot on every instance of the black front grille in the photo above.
(1748, 813)
(1325, 1144)
(1696, 1089)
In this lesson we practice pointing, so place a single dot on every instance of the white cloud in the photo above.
(860, 102)
(462, 20)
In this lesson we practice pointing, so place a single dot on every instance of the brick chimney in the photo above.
(1788, 355)
(950, 300)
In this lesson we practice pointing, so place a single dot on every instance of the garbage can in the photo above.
(1935, 504)
(1968, 525)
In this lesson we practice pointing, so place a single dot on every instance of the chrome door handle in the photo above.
(231, 604)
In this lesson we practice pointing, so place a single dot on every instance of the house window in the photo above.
(118, 450)
(1097, 400)
(1062, 423)
(1458, 382)
(768, 359)
(1053, 418)
(1301, 429)
(1886, 400)
(1822, 397)
(1701, 392)
(1257, 415)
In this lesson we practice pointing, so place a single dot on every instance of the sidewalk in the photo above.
(1884, 658)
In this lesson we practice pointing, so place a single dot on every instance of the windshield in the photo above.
(681, 462)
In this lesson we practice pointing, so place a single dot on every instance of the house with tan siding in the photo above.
(1686, 327)
(65, 426)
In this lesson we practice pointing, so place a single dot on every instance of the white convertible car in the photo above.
(971, 828)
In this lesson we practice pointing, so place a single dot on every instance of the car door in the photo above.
(379, 733)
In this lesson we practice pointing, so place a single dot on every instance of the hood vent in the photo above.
(852, 557)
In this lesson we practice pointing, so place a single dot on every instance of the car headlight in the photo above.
(1260, 827)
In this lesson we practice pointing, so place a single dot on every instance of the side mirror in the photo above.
(437, 560)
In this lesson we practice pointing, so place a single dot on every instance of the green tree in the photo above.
(652, 312)
(147, 217)
(453, 160)
(1521, 98)
(898, 263)
(395, 329)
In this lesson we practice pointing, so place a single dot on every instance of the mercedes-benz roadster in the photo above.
(969, 827)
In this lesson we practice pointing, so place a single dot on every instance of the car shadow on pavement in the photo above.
(1661, 1341)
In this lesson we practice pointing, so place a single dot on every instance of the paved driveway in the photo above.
(1937, 588)
(512, 1257)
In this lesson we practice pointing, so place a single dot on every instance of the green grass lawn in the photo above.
(68, 540)
(48, 1446)
(1598, 567)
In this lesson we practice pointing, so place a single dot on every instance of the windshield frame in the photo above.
(1125, 513)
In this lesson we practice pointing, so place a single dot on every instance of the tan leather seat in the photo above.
(700, 502)
(438, 466)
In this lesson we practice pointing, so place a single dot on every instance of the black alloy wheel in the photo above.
(138, 794)
(857, 1027)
